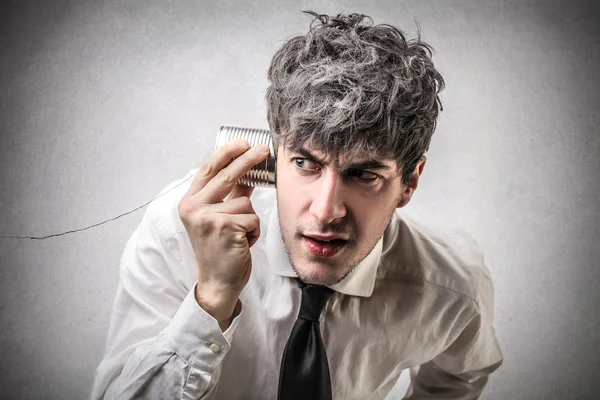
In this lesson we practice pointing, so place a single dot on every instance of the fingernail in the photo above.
(263, 148)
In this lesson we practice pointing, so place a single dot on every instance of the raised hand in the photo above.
(222, 226)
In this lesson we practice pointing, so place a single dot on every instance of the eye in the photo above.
(363, 175)
(304, 163)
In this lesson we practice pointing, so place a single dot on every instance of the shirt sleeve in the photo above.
(461, 371)
(161, 344)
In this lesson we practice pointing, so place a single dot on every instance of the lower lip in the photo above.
(323, 250)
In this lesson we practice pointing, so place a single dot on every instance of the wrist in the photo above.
(219, 304)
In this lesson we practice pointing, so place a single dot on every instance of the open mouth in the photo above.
(323, 248)
(332, 242)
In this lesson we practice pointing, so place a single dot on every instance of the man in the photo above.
(212, 282)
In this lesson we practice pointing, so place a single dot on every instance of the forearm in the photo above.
(184, 358)
(157, 372)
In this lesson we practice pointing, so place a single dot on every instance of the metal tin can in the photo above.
(262, 174)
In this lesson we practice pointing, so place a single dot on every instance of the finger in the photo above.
(222, 184)
(239, 205)
(250, 223)
(216, 162)
(241, 191)
(253, 236)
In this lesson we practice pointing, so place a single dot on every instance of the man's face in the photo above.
(331, 218)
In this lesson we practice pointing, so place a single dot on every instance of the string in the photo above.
(97, 224)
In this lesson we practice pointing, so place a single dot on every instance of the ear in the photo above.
(408, 190)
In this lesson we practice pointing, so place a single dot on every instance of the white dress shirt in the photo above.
(422, 299)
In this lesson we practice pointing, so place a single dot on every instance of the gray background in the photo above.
(104, 103)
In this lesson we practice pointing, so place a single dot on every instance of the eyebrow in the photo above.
(368, 164)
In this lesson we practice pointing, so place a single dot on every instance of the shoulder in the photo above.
(438, 253)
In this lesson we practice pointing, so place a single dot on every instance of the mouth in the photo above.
(324, 248)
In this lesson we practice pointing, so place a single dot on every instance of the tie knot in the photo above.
(314, 298)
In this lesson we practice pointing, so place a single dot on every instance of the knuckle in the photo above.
(246, 160)
(222, 224)
(205, 170)
(185, 209)
(201, 220)
(226, 178)
(204, 224)
(245, 200)
(256, 219)
(194, 218)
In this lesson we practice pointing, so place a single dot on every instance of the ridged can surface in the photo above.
(263, 174)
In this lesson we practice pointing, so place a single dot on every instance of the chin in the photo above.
(319, 274)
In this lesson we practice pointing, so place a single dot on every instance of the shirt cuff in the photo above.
(195, 335)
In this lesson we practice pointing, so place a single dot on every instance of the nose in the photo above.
(327, 203)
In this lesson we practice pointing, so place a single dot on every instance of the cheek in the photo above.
(373, 216)
(285, 186)
(290, 190)
(289, 204)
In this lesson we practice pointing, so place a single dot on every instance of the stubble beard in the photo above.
(333, 279)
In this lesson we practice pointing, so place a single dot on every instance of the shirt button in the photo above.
(215, 348)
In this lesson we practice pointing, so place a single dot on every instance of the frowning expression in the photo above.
(333, 212)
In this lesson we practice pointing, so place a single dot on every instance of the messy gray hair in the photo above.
(348, 88)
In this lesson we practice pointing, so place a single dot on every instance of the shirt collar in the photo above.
(359, 282)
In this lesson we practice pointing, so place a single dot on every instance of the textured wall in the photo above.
(102, 103)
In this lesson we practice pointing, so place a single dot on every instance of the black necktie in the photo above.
(304, 372)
